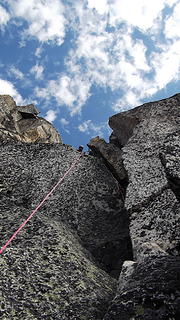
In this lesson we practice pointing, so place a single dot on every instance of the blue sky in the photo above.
(80, 61)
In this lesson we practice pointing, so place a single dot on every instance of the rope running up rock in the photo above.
(40, 204)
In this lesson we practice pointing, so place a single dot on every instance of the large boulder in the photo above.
(22, 123)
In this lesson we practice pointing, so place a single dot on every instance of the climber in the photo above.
(80, 149)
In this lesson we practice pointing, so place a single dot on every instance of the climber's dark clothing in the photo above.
(80, 149)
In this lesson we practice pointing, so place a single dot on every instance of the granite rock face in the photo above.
(118, 213)
(149, 139)
(170, 159)
(47, 274)
(22, 123)
(112, 156)
(148, 290)
(53, 270)
(150, 200)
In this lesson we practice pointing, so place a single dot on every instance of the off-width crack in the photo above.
(113, 253)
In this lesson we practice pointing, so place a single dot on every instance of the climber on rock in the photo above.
(80, 149)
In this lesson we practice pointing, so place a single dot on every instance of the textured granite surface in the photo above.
(65, 262)
(53, 269)
(149, 139)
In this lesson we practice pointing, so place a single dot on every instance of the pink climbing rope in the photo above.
(40, 204)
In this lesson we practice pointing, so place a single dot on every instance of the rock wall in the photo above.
(116, 213)
(151, 159)
(149, 140)
(54, 269)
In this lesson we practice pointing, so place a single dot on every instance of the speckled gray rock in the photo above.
(47, 274)
(53, 269)
(58, 266)
(150, 200)
(151, 154)
(149, 290)
(123, 124)
(111, 154)
(22, 124)
(170, 158)
(157, 221)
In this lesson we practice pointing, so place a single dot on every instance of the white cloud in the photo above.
(116, 59)
(93, 47)
(72, 92)
(98, 57)
(45, 18)
(4, 16)
(141, 14)
(37, 70)
(22, 43)
(84, 127)
(109, 60)
(16, 73)
(50, 115)
(63, 90)
(64, 122)
(101, 6)
(88, 127)
(129, 99)
(166, 65)
(172, 24)
(38, 52)
(6, 87)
